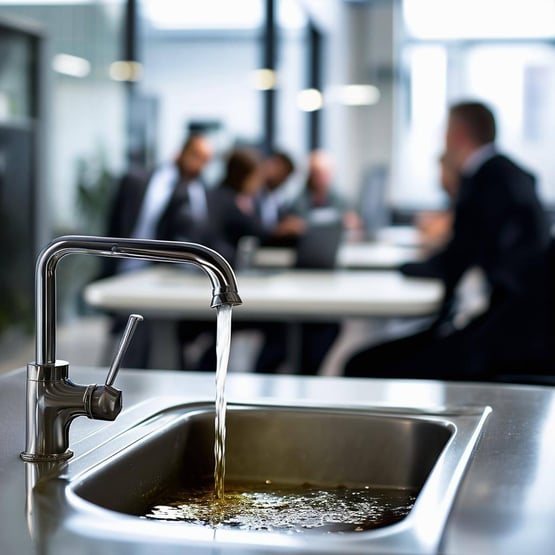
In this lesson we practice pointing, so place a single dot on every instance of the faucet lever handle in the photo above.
(132, 323)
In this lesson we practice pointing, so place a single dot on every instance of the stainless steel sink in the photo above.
(420, 451)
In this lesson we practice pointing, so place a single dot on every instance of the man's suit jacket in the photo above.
(177, 221)
(228, 223)
(124, 211)
(500, 227)
(127, 203)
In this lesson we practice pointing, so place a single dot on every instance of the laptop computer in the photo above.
(317, 248)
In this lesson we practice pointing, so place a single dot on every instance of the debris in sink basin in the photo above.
(288, 509)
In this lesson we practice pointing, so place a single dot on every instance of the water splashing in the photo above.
(223, 343)
(273, 508)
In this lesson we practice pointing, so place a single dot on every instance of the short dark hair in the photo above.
(478, 120)
(285, 159)
(241, 163)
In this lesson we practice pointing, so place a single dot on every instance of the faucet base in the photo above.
(34, 458)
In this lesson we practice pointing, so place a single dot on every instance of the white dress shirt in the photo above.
(477, 159)
(159, 191)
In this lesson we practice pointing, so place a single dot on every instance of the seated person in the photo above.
(319, 199)
(232, 215)
(318, 203)
(500, 227)
(277, 169)
(234, 210)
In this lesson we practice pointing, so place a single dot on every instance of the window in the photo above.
(467, 51)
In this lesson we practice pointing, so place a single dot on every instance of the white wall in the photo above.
(202, 79)
(87, 122)
(360, 51)
(210, 78)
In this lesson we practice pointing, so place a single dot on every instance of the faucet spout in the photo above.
(224, 284)
(53, 401)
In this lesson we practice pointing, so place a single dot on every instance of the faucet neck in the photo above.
(219, 271)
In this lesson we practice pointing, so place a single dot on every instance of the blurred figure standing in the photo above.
(141, 209)
(500, 227)
(141, 204)
(187, 209)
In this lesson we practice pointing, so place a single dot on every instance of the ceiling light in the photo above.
(71, 65)
(264, 79)
(126, 71)
(310, 100)
(356, 95)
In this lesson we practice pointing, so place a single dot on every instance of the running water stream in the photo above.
(223, 343)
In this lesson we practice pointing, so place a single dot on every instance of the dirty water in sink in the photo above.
(223, 344)
(274, 508)
(271, 507)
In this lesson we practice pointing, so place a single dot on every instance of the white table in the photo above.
(400, 235)
(169, 292)
(166, 294)
(364, 255)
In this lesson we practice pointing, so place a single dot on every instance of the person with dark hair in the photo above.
(318, 206)
(234, 209)
(232, 204)
(500, 227)
(277, 168)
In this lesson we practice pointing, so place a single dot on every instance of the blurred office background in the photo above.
(89, 87)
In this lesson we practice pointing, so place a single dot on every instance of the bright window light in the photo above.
(219, 14)
(468, 19)
(44, 2)
(71, 65)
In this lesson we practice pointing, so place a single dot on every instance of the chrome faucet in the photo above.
(53, 401)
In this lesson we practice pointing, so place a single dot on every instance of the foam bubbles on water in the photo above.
(287, 509)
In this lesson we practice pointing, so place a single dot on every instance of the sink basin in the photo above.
(421, 452)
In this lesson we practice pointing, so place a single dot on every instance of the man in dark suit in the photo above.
(141, 209)
(500, 227)
(143, 199)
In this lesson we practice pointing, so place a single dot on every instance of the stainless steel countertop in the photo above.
(506, 503)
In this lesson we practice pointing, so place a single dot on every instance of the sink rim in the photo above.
(413, 534)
